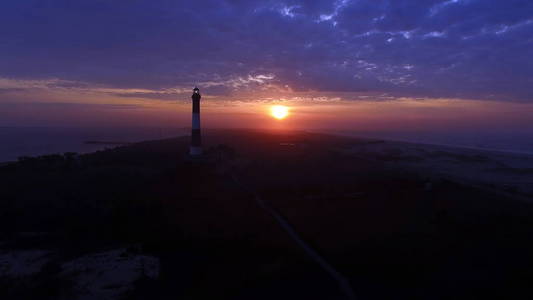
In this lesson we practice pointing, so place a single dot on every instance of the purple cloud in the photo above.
(429, 48)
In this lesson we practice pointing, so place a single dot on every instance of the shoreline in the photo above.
(458, 147)
(114, 144)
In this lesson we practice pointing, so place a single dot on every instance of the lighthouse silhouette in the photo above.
(196, 136)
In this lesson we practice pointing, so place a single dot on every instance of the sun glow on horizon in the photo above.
(279, 112)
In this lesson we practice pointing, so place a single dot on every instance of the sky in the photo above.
(344, 64)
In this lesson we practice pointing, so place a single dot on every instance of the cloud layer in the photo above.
(424, 48)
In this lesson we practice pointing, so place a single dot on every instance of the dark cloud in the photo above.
(429, 48)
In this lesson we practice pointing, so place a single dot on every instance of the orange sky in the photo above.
(306, 112)
(54, 102)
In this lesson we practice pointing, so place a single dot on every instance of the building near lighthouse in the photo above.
(196, 136)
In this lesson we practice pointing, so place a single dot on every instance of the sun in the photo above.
(279, 111)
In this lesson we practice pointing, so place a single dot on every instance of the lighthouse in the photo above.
(196, 137)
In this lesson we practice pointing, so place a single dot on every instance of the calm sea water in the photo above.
(32, 141)
(507, 141)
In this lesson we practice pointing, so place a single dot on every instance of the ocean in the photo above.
(506, 141)
(32, 141)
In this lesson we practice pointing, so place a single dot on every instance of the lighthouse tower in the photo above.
(196, 137)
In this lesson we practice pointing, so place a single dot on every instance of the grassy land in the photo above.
(394, 237)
